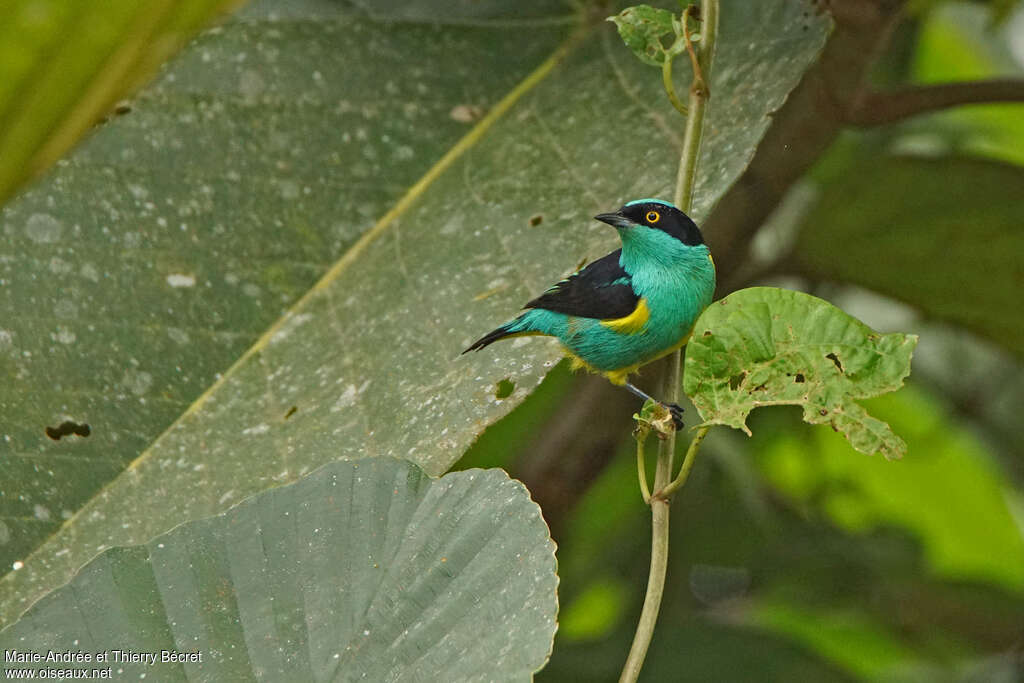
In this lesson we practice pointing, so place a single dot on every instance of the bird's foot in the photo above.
(676, 411)
(661, 418)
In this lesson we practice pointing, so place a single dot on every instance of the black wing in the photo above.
(601, 290)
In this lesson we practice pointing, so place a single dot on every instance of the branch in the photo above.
(877, 108)
(814, 114)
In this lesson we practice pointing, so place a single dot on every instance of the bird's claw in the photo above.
(656, 416)
(677, 414)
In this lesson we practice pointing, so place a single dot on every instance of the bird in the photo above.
(630, 307)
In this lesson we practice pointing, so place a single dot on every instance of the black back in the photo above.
(601, 290)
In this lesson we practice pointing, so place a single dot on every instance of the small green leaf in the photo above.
(642, 28)
(364, 570)
(767, 346)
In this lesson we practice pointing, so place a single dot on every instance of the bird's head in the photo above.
(638, 217)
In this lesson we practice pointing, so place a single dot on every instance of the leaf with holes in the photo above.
(765, 346)
(364, 570)
(642, 29)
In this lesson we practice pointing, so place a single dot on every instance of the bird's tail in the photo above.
(510, 329)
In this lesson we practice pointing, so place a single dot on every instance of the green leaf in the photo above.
(221, 198)
(365, 570)
(940, 234)
(290, 165)
(765, 346)
(641, 28)
(951, 495)
(64, 64)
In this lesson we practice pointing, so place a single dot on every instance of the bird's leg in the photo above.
(673, 408)
(638, 392)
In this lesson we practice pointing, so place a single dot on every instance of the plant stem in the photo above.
(641, 472)
(684, 471)
(663, 470)
(655, 588)
(695, 121)
(670, 88)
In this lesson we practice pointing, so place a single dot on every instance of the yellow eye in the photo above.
(653, 216)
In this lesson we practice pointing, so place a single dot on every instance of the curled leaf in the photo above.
(767, 346)
(642, 28)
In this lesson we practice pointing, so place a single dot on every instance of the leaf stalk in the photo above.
(684, 471)
(670, 88)
(641, 472)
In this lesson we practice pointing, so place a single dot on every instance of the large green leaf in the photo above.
(765, 346)
(941, 234)
(215, 203)
(365, 570)
(369, 357)
(63, 64)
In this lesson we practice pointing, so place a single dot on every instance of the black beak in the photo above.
(616, 220)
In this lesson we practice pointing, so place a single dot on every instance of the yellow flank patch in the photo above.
(575, 362)
(614, 376)
(632, 323)
(620, 376)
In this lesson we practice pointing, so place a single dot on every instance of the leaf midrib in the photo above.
(351, 255)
